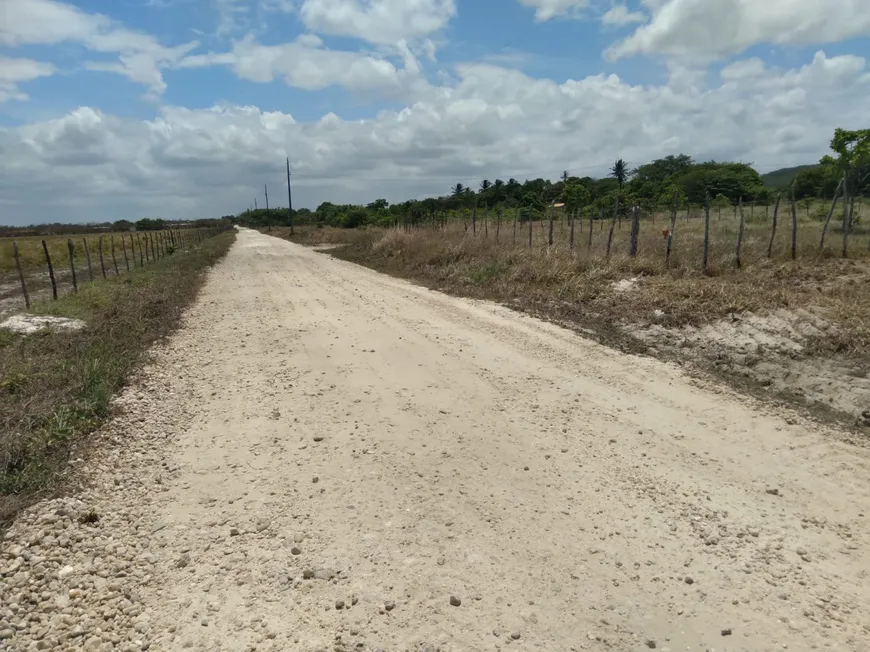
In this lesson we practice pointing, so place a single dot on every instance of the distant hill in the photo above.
(783, 177)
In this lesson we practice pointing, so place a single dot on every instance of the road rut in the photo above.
(338, 457)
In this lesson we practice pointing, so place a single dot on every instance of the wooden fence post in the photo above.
(531, 230)
(126, 259)
(612, 225)
(516, 216)
(114, 260)
(740, 231)
(794, 224)
(50, 270)
(72, 264)
(591, 221)
(102, 262)
(635, 231)
(550, 233)
(572, 217)
(829, 216)
(21, 274)
(474, 220)
(88, 254)
(497, 223)
(848, 210)
(671, 233)
(706, 230)
(773, 225)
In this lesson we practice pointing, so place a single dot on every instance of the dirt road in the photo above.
(328, 458)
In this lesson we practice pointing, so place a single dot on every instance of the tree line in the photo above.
(653, 186)
(145, 224)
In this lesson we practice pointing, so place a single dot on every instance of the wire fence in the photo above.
(34, 267)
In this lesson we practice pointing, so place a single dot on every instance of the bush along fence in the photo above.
(109, 255)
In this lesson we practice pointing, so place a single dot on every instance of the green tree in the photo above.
(575, 196)
(619, 171)
(853, 158)
(123, 225)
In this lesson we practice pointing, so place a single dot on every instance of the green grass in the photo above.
(56, 387)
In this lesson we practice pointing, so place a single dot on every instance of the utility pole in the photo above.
(255, 203)
(267, 196)
(289, 198)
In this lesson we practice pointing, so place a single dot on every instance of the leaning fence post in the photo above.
(829, 216)
(114, 260)
(21, 274)
(773, 226)
(50, 270)
(72, 264)
(102, 262)
(88, 254)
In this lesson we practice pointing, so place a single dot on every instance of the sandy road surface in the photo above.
(406, 447)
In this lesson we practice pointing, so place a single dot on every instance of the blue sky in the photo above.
(187, 107)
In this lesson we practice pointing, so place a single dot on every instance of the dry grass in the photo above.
(581, 287)
(33, 257)
(55, 387)
(509, 270)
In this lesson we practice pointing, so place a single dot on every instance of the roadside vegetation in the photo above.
(56, 385)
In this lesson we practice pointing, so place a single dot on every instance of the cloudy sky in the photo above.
(185, 108)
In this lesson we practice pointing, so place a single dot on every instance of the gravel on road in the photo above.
(325, 458)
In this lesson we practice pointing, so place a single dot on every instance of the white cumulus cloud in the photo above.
(619, 15)
(491, 122)
(548, 9)
(15, 71)
(377, 21)
(726, 27)
(305, 63)
(141, 57)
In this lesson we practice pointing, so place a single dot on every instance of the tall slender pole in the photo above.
(21, 274)
(72, 264)
(289, 198)
(267, 196)
(255, 204)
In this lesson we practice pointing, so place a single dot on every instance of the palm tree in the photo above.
(619, 171)
(458, 189)
(485, 185)
(565, 176)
